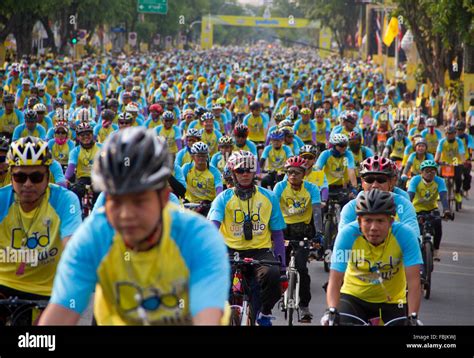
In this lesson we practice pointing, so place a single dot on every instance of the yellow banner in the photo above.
(282, 22)
(324, 42)
(392, 32)
(206, 33)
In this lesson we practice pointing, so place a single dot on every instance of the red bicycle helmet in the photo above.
(377, 165)
(296, 162)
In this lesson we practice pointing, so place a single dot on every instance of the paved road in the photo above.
(452, 295)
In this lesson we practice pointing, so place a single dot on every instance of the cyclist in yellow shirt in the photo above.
(424, 190)
(451, 151)
(384, 261)
(203, 181)
(250, 219)
(36, 221)
(301, 207)
(10, 117)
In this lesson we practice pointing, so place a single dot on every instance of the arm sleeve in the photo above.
(344, 241)
(348, 214)
(216, 213)
(76, 276)
(279, 247)
(70, 213)
(409, 245)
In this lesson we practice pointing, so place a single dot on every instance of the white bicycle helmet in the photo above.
(338, 139)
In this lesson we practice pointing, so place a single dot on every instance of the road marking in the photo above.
(455, 273)
(458, 266)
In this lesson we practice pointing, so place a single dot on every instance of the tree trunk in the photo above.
(22, 30)
(45, 22)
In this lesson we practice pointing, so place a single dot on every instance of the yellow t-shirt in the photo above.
(450, 153)
(316, 177)
(33, 268)
(170, 136)
(60, 153)
(104, 133)
(321, 131)
(304, 132)
(426, 194)
(85, 161)
(8, 122)
(256, 130)
(335, 170)
(296, 206)
(211, 140)
(376, 273)
(120, 281)
(260, 212)
(200, 185)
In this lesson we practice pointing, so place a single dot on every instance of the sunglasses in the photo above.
(242, 170)
(378, 179)
(341, 145)
(308, 157)
(35, 177)
(294, 172)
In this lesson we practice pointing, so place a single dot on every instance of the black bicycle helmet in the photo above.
(375, 201)
(132, 160)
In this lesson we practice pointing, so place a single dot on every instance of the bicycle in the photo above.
(447, 172)
(376, 321)
(201, 208)
(291, 297)
(242, 312)
(331, 223)
(425, 220)
(17, 309)
(87, 201)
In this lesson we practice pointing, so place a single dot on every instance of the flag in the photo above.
(377, 34)
(392, 32)
(359, 34)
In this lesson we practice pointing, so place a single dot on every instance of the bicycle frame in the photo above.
(17, 307)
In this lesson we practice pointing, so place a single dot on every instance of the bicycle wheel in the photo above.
(427, 254)
(450, 195)
(291, 297)
(330, 232)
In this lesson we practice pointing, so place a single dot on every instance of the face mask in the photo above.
(60, 141)
(205, 92)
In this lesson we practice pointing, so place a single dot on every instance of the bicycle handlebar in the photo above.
(250, 262)
(15, 301)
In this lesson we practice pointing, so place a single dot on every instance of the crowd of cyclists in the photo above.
(103, 161)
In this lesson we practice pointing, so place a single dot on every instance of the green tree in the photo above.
(441, 29)
(340, 16)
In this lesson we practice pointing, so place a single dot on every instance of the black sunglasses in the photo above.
(242, 170)
(35, 177)
(294, 172)
(381, 179)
